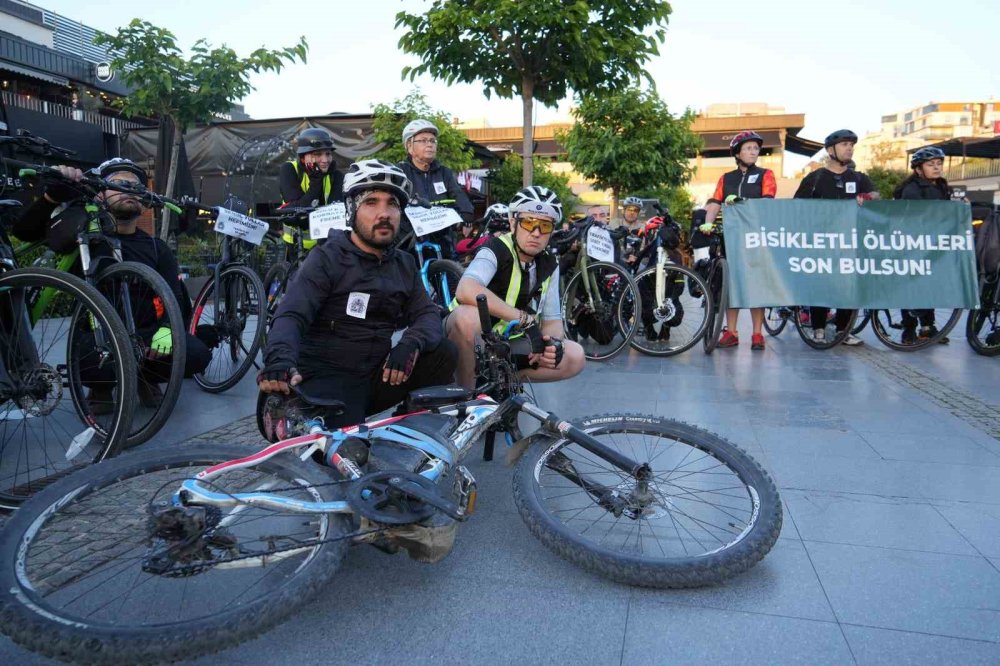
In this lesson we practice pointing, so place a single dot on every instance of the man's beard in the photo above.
(124, 210)
(368, 236)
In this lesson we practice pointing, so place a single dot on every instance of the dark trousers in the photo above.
(367, 394)
(157, 371)
(818, 317)
(910, 317)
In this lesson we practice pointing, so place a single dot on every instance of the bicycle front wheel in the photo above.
(67, 380)
(775, 320)
(444, 274)
(910, 330)
(708, 512)
(830, 336)
(719, 285)
(673, 322)
(103, 567)
(235, 329)
(601, 308)
(861, 322)
(147, 305)
(982, 327)
(275, 283)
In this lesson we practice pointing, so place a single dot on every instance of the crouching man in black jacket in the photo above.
(333, 329)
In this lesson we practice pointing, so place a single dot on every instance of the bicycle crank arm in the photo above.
(445, 506)
(556, 426)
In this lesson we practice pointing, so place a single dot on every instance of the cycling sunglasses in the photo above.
(529, 224)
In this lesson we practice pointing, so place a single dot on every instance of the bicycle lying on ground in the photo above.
(178, 553)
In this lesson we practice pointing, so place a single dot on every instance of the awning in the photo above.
(34, 73)
(986, 147)
(799, 146)
(720, 140)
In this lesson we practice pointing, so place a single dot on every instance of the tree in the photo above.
(539, 50)
(184, 91)
(886, 180)
(629, 141)
(677, 200)
(388, 123)
(505, 180)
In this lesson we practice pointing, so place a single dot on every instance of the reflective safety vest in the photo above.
(514, 286)
(304, 184)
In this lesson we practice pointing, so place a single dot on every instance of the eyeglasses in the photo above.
(530, 224)
(429, 142)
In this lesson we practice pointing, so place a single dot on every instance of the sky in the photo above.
(843, 64)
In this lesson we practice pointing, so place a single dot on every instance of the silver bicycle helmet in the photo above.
(632, 201)
(415, 127)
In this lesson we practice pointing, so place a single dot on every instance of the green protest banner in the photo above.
(883, 254)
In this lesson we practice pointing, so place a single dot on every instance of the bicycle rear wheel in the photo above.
(832, 337)
(275, 284)
(444, 274)
(677, 323)
(145, 304)
(888, 326)
(861, 322)
(775, 320)
(103, 568)
(237, 326)
(710, 511)
(982, 327)
(601, 309)
(719, 284)
(67, 380)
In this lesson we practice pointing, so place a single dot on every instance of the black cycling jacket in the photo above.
(916, 187)
(342, 306)
(437, 183)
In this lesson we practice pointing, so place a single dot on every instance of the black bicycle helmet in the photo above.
(925, 154)
(313, 139)
(840, 135)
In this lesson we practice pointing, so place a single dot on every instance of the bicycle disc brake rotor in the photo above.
(381, 497)
(42, 393)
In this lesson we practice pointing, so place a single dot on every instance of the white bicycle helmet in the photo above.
(632, 201)
(118, 164)
(375, 175)
(498, 217)
(415, 127)
(537, 200)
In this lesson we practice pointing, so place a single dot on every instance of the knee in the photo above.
(463, 324)
(573, 360)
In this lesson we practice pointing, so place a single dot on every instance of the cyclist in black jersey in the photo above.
(836, 180)
(310, 179)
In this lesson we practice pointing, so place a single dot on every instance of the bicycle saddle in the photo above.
(317, 401)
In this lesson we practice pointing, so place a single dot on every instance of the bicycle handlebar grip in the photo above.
(484, 313)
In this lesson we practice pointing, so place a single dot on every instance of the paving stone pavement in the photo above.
(889, 469)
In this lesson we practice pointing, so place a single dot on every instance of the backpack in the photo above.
(987, 237)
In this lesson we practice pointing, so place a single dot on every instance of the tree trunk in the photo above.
(175, 155)
(613, 213)
(527, 101)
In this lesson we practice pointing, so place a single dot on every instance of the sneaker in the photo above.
(101, 400)
(852, 340)
(819, 334)
(803, 317)
(909, 336)
(757, 342)
(150, 394)
(728, 340)
(927, 332)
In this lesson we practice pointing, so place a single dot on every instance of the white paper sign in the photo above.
(322, 220)
(599, 244)
(240, 226)
(428, 220)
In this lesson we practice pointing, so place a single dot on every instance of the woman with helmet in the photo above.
(310, 179)
(333, 329)
(925, 183)
(836, 180)
(521, 283)
(747, 181)
(432, 181)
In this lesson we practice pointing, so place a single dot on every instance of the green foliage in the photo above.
(540, 49)
(677, 200)
(630, 142)
(886, 180)
(187, 90)
(505, 180)
(388, 123)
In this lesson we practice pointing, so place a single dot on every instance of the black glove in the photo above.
(402, 357)
(534, 335)
(61, 192)
(280, 371)
(560, 350)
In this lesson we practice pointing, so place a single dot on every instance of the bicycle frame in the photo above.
(425, 263)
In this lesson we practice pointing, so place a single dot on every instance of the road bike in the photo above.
(166, 555)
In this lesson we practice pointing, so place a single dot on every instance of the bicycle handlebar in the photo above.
(96, 184)
(26, 139)
(484, 313)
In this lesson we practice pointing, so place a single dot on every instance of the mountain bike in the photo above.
(673, 319)
(230, 310)
(440, 276)
(910, 330)
(776, 318)
(55, 331)
(141, 297)
(711, 263)
(600, 300)
(291, 253)
(204, 547)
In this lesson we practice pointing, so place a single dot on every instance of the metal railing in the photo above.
(109, 124)
(977, 169)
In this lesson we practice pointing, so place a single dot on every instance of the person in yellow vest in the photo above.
(310, 180)
(521, 283)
